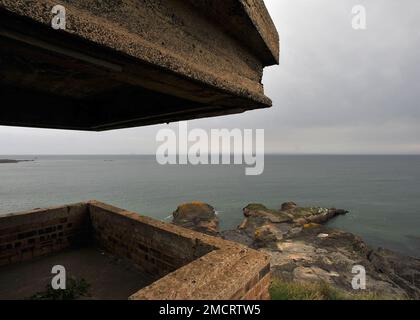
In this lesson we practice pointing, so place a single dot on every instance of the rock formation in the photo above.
(197, 216)
(304, 250)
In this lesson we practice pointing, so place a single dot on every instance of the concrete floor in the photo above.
(110, 278)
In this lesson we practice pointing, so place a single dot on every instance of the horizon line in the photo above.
(266, 154)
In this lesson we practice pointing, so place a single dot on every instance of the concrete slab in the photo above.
(132, 63)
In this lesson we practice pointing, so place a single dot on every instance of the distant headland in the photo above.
(13, 161)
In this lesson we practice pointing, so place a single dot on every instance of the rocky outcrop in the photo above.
(288, 206)
(305, 250)
(197, 216)
(321, 254)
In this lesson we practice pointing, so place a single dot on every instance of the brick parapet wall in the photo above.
(260, 291)
(154, 250)
(37, 233)
(236, 274)
(186, 264)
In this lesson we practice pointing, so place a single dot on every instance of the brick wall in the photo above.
(260, 291)
(32, 234)
(153, 250)
(185, 264)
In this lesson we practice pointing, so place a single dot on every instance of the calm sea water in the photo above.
(381, 192)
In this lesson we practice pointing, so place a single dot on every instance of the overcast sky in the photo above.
(336, 90)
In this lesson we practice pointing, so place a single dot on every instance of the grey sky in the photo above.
(337, 90)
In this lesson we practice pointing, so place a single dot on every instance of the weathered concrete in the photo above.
(131, 63)
(184, 264)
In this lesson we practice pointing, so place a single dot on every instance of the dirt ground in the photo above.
(110, 278)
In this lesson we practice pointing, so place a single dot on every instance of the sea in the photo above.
(382, 193)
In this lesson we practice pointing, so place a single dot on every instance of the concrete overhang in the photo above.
(129, 63)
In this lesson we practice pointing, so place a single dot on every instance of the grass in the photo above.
(281, 290)
(75, 290)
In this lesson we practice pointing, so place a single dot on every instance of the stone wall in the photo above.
(32, 234)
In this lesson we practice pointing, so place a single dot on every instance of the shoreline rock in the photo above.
(197, 216)
(304, 250)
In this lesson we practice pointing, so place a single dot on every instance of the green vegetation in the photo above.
(75, 290)
(260, 207)
(281, 290)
